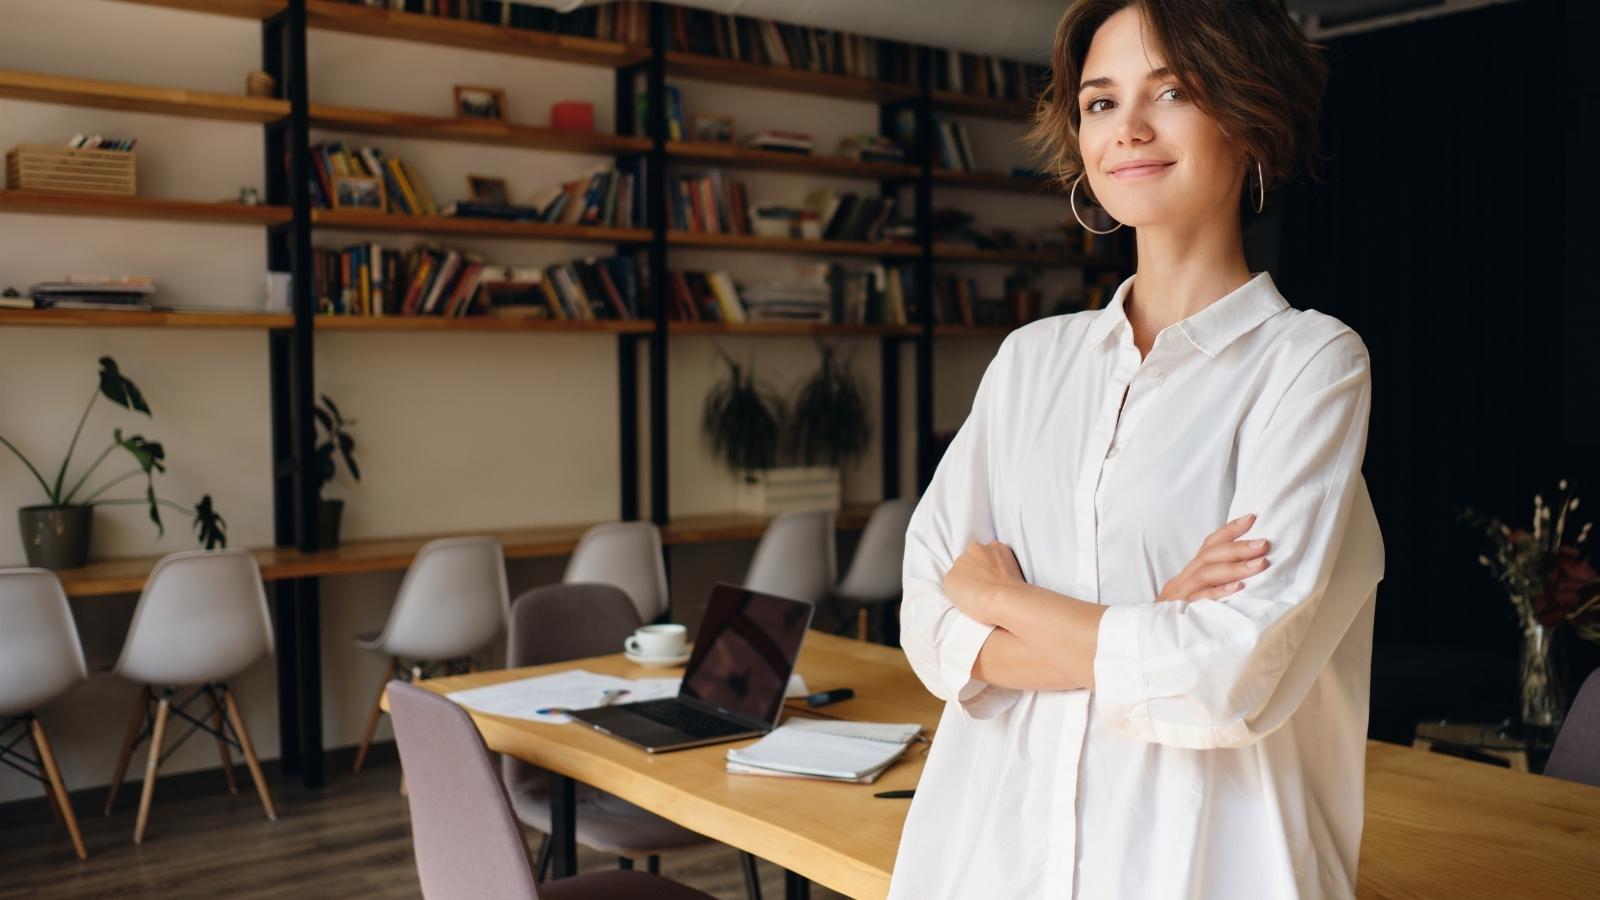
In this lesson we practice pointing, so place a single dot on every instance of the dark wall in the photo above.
(1446, 234)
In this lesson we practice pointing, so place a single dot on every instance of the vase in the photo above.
(1543, 704)
(329, 513)
(56, 537)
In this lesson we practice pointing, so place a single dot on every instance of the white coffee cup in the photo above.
(658, 641)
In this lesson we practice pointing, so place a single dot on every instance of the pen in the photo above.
(894, 795)
(610, 696)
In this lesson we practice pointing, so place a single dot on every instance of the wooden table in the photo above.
(1436, 826)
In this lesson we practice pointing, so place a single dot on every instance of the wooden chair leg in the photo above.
(372, 720)
(863, 630)
(128, 744)
(58, 791)
(249, 751)
(157, 732)
(222, 742)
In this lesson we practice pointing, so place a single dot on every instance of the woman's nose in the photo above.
(1133, 127)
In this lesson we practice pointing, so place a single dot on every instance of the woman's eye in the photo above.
(1094, 104)
(1178, 91)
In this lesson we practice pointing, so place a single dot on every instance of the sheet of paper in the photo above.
(525, 697)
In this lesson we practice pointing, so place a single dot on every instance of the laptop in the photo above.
(734, 684)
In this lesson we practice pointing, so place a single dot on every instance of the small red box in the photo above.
(572, 115)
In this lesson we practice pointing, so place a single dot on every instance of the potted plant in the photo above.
(742, 422)
(56, 534)
(336, 439)
(1022, 294)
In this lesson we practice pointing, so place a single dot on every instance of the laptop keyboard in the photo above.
(686, 718)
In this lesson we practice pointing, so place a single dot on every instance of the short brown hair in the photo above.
(1243, 62)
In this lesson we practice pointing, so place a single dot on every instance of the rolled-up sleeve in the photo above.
(1225, 673)
(941, 641)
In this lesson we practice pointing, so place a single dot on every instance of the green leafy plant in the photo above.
(335, 440)
(829, 425)
(743, 420)
(150, 457)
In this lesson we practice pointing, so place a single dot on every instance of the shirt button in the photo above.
(1112, 452)
(1155, 371)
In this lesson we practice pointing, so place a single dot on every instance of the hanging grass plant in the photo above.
(830, 425)
(743, 420)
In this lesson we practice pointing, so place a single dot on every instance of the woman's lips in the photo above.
(1140, 171)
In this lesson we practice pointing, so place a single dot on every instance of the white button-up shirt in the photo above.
(1221, 754)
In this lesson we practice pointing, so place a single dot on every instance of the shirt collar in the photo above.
(1211, 329)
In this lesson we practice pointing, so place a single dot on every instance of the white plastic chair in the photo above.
(796, 557)
(452, 601)
(201, 620)
(40, 660)
(875, 578)
(626, 555)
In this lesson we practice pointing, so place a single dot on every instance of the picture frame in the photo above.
(476, 101)
(359, 192)
(711, 128)
(488, 189)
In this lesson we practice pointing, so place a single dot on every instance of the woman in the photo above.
(1098, 743)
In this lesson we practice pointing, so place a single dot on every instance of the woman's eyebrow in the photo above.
(1101, 82)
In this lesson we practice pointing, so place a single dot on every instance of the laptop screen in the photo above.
(745, 652)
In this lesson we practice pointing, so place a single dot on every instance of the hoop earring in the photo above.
(1072, 201)
(1261, 197)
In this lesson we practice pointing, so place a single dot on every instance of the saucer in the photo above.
(663, 661)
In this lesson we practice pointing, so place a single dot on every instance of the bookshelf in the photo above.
(297, 562)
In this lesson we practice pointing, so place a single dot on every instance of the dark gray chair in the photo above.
(1576, 755)
(560, 622)
(467, 843)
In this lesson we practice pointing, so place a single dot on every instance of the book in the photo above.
(825, 748)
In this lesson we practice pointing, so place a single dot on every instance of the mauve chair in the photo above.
(1576, 755)
(553, 624)
(467, 842)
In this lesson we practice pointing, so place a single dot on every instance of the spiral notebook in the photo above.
(825, 748)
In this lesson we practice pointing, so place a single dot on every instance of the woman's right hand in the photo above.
(1221, 566)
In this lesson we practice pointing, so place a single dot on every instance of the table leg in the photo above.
(795, 886)
(283, 620)
(308, 678)
(563, 826)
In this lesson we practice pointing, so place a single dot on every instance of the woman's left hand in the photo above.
(978, 576)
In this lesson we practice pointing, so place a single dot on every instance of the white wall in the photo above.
(456, 432)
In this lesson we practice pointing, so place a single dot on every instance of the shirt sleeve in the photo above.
(941, 641)
(1225, 673)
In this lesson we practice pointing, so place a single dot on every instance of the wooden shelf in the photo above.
(472, 131)
(241, 9)
(483, 323)
(989, 107)
(140, 98)
(111, 318)
(996, 181)
(750, 242)
(790, 329)
(42, 203)
(363, 220)
(734, 156)
(961, 253)
(351, 19)
(126, 576)
(802, 81)
(973, 331)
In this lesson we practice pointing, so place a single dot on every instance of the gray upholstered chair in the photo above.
(796, 557)
(467, 842)
(556, 623)
(451, 602)
(201, 620)
(1576, 755)
(40, 659)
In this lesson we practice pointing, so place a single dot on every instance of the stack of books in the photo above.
(807, 298)
(826, 749)
(124, 292)
(767, 42)
(871, 148)
(780, 141)
(607, 195)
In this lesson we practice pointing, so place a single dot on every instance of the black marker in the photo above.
(833, 696)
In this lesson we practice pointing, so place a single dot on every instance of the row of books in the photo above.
(605, 287)
(952, 148)
(609, 195)
(821, 293)
(708, 203)
(676, 121)
(383, 183)
(849, 216)
(773, 43)
(627, 21)
(986, 76)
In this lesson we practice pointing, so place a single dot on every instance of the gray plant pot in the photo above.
(56, 537)
(329, 512)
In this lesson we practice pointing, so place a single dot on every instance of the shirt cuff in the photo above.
(958, 651)
(1120, 685)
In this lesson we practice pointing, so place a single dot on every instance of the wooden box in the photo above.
(71, 170)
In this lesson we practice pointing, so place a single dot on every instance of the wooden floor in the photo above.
(351, 840)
